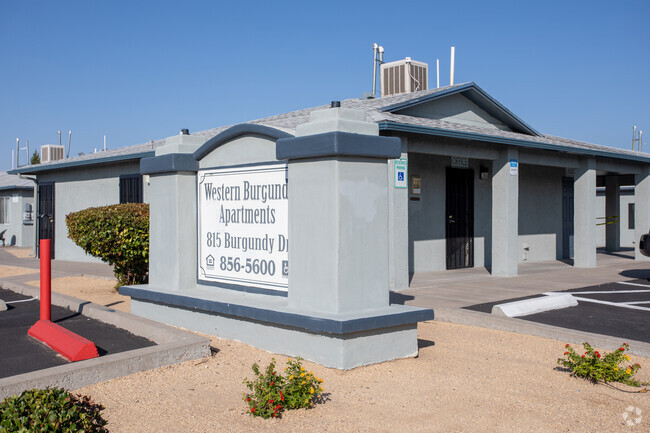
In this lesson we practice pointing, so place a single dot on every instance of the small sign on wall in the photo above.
(401, 172)
(416, 185)
(514, 167)
(459, 162)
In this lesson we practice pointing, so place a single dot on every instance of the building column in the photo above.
(173, 226)
(641, 209)
(505, 213)
(338, 213)
(398, 220)
(613, 213)
(584, 222)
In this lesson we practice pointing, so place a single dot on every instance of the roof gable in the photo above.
(466, 104)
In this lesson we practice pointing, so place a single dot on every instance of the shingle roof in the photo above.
(12, 181)
(375, 110)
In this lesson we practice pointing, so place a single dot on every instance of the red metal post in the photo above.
(46, 279)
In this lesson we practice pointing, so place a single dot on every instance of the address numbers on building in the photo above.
(243, 226)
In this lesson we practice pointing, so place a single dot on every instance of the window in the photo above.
(4, 210)
(131, 188)
(630, 216)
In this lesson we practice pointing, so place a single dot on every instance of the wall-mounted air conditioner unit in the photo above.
(52, 152)
(404, 76)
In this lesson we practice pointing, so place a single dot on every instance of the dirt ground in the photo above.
(11, 271)
(21, 253)
(98, 291)
(464, 379)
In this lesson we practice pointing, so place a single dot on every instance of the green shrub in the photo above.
(272, 393)
(302, 388)
(117, 234)
(606, 368)
(50, 410)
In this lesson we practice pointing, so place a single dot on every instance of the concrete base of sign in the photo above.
(342, 341)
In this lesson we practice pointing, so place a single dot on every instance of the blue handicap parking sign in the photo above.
(400, 176)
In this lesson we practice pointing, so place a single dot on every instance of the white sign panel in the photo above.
(243, 226)
(513, 167)
(401, 172)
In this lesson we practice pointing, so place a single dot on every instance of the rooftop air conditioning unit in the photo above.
(404, 76)
(52, 152)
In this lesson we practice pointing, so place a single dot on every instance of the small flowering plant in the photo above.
(266, 397)
(272, 393)
(608, 367)
(302, 388)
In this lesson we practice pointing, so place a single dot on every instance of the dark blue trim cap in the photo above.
(169, 163)
(394, 315)
(238, 131)
(338, 144)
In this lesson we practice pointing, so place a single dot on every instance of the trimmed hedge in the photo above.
(117, 234)
(51, 410)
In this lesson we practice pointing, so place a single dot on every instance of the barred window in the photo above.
(630, 216)
(131, 188)
(4, 210)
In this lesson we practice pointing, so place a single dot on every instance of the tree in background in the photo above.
(36, 158)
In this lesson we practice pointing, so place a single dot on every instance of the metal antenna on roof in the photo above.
(378, 58)
(437, 73)
(633, 136)
(69, 140)
(640, 141)
(451, 70)
(59, 132)
(104, 142)
(17, 151)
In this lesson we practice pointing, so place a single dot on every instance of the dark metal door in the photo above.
(460, 218)
(46, 212)
(567, 217)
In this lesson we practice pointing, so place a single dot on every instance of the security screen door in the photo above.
(460, 218)
(567, 217)
(46, 213)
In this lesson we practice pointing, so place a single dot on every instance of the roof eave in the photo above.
(16, 187)
(35, 169)
(429, 130)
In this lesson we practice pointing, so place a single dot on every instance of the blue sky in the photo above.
(141, 70)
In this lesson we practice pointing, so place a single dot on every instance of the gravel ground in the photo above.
(465, 379)
(99, 291)
(11, 271)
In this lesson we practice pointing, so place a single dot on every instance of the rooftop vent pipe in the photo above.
(185, 131)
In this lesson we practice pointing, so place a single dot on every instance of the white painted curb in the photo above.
(535, 305)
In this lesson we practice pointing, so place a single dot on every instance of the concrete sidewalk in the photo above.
(60, 268)
(464, 287)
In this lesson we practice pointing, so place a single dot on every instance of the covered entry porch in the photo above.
(541, 209)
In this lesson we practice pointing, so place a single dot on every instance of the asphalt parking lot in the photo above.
(20, 353)
(618, 309)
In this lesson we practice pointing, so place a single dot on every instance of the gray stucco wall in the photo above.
(540, 213)
(81, 188)
(627, 233)
(427, 243)
(18, 233)
(456, 109)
